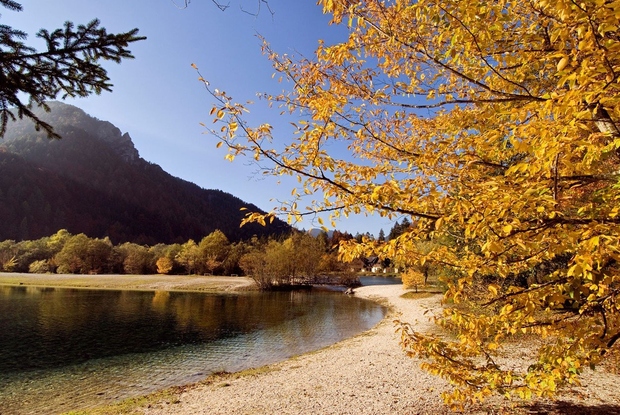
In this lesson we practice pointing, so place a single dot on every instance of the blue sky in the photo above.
(157, 98)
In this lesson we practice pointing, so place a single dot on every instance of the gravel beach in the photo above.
(368, 374)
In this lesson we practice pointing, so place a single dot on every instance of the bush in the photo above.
(40, 267)
(164, 265)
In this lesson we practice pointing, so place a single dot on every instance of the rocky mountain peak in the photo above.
(61, 114)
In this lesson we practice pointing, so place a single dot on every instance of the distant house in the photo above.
(370, 264)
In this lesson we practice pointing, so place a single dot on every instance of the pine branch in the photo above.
(70, 66)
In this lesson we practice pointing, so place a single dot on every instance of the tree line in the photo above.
(296, 258)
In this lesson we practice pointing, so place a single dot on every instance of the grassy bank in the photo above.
(130, 282)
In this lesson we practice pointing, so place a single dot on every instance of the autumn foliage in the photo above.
(413, 278)
(492, 125)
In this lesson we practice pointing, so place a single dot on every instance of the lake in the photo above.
(65, 349)
(379, 280)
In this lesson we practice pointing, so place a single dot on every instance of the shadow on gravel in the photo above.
(570, 408)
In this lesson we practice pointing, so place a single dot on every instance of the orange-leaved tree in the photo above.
(492, 125)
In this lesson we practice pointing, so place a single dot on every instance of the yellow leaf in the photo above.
(438, 223)
(562, 63)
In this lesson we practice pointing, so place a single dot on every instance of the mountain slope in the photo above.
(93, 181)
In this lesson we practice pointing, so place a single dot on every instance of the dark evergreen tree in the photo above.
(71, 66)
(399, 228)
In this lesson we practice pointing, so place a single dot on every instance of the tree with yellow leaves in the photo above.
(492, 125)
(413, 278)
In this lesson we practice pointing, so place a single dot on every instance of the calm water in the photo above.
(379, 280)
(64, 349)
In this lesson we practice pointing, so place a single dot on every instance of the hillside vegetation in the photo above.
(93, 181)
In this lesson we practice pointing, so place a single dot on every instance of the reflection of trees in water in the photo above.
(64, 326)
(331, 317)
(160, 300)
(231, 313)
(70, 310)
(66, 310)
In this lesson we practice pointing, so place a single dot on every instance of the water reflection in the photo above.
(81, 347)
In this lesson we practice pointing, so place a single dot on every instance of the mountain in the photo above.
(317, 231)
(94, 181)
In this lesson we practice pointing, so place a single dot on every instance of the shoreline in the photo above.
(366, 374)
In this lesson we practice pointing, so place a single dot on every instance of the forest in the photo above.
(294, 259)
